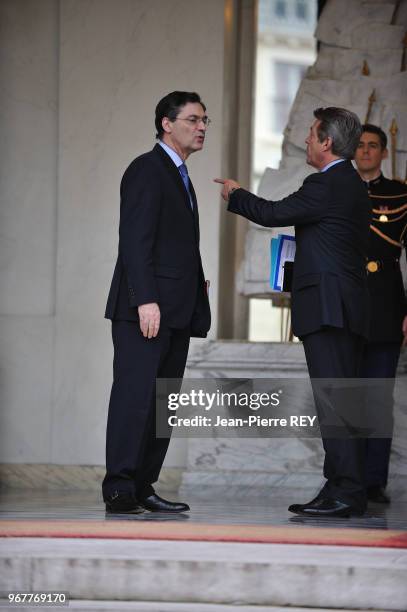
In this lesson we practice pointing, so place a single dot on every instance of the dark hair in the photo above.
(171, 105)
(342, 126)
(374, 129)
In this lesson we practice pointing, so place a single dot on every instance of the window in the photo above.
(301, 11)
(286, 78)
(280, 8)
(285, 16)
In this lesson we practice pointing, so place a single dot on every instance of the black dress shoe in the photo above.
(122, 503)
(154, 503)
(324, 506)
(378, 495)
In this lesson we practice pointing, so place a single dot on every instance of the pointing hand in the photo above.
(229, 185)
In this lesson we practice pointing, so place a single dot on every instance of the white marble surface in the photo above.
(273, 462)
(251, 462)
(391, 89)
(26, 388)
(28, 132)
(277, 184)
(399, 113)
(234, 359)
(398, 465)
(377, 36)
(154, 606)
(333, 28)
(313, 93)
(255, 457)
(285, 575)
(256, 264)
(337, 63)
(46, 476)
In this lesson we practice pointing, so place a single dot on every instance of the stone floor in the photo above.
(212, 508)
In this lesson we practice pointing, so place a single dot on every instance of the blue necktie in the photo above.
(184, 173)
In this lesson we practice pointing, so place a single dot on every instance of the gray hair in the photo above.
(342, 126)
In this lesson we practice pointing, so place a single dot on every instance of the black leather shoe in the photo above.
(324, 506)
(378, 495)
(122, 503)
(154, 503)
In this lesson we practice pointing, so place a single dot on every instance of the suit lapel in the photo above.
(175, 175)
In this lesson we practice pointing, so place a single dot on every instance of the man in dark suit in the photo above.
(157, 301)
(331, 214)
(388, 303)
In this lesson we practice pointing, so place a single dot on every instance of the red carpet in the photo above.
(154, 530)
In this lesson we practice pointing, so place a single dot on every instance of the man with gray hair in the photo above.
(331, 214)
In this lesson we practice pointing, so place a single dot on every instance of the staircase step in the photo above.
(326, 577)
(156, 606)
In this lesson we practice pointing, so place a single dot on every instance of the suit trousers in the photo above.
(333, 353)
(380, 360)
(134, 455)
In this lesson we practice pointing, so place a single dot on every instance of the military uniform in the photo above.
(388, 307)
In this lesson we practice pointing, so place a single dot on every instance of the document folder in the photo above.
(282, 253)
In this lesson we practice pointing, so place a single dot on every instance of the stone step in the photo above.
(201, 572)
(326, 577)
(156, 606)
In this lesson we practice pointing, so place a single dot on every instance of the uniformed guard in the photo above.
(388, 305)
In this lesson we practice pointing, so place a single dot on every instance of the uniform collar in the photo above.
(375, 181)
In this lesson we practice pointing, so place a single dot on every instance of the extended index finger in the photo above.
(219, 180)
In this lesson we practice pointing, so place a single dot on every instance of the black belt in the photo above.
(377, 265)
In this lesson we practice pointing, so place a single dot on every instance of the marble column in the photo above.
(28, 188)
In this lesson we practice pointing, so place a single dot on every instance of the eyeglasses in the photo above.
(195, 120)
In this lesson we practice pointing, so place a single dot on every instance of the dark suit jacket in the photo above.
(331, 214)
(159, 259)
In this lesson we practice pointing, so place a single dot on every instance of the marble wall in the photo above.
(28, 185)
(80, 83)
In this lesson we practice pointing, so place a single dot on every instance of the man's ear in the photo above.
(385, 153)
(327, 144)
(166, 125)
